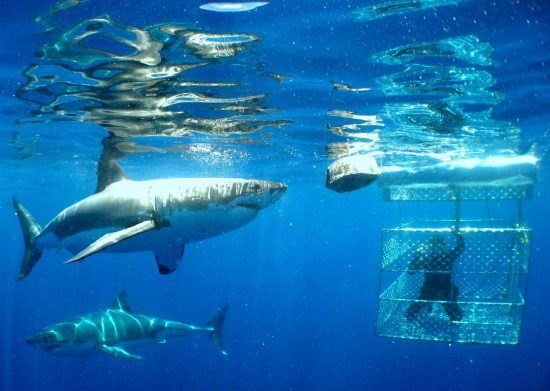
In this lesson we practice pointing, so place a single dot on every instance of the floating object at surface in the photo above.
(110, 330)
(233, 7)
(159, 215)
(352, 173)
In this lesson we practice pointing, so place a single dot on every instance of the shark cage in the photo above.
(459, 277)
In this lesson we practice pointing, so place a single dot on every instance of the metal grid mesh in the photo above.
(484, 320)
(487, 249)
(443, 192)
(443, 290)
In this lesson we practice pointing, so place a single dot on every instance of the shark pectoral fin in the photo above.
(169, 257)
(118, 352)
(114, 238)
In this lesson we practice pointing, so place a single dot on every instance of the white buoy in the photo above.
(351, 173)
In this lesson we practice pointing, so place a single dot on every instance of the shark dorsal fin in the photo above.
(108, 172)
(121, 302)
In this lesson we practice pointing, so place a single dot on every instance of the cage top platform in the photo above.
(493, 178)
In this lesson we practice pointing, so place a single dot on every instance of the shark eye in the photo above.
(46, 338)
(256, 187)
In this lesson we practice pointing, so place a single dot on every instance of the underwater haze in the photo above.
(300, 161)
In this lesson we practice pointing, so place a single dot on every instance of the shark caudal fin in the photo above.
(31, 230)
(217, 323)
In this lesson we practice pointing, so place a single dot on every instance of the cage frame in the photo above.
(517, 305)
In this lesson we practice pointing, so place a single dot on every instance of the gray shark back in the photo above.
(127, 202)
(159, 215)
(120, 205)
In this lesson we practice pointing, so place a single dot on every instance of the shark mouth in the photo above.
(252, 206)
(51, 348)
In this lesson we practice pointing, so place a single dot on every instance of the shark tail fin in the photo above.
(31, 230)
(217, 324)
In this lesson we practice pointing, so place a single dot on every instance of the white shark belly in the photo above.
(90, 348)
(184, 227)
(188, 227)
(79, 241)
(82, 349)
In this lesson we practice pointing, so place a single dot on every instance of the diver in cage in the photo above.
(437, 264)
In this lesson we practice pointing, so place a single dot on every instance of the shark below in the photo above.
(159, 215)
(112, 330)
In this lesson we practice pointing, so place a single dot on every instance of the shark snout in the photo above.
(34, 340)
(45, 340)
(272, 188)
(277, 188)
(261, 194)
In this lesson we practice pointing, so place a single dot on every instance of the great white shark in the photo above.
(113, 330)
(160, 215)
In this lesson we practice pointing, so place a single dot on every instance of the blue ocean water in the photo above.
(302, 279)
